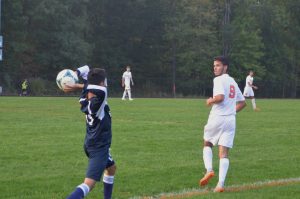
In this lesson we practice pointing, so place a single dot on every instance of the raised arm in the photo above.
(73, 87)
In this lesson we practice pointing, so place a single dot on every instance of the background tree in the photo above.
(165, 42)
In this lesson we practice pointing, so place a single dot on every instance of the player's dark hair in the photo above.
(222, 59)
(96, 76)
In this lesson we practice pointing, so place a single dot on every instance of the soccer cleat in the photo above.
(130, 99)
(219, 189)
(257, 109)
(206, 178)
(123, 98)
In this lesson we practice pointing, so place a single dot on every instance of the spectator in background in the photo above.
(24, 88)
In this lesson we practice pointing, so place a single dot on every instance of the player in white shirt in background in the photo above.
(248, 91)
(220, 128)
(126, 80)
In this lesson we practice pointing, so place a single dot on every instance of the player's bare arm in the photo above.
(123, 82)
(240, 105)
(252, 86)
(73, 87)
(215, 100)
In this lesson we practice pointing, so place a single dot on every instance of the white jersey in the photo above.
(249, 80)
(127, 78)
(225, 85)
(248, 91)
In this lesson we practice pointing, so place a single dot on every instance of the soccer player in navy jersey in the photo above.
(98, 134)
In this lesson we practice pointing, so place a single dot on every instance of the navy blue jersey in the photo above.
(98, 120)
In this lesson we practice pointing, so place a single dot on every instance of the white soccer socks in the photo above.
(207, 158)
(108, 179)
(223, 168)
(124, 95)
(85, 188)
(253, 103)
(129, 94)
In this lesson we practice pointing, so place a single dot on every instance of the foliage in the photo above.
(162, 40)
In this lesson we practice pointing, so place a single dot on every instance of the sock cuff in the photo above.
(108, 179)
(207, 148)
(225, 160)
(85, 188)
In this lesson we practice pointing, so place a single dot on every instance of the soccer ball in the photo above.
(66, 77)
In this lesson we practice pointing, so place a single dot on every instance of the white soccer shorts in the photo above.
(248, 92)
(220, 130)
(127, 87)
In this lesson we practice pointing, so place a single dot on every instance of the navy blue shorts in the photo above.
(99, 160)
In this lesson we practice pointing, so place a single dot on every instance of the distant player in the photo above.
(126, 80)
(98, 133)
(220, 128)
(248, 91)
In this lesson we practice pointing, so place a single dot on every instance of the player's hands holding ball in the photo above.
(67, 80)
(72, 87)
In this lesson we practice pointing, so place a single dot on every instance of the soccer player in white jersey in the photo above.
(248, 91)
(220, 128)
(126, 80)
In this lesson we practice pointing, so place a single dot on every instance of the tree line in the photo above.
(169, 44)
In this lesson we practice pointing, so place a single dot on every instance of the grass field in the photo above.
(157, 145)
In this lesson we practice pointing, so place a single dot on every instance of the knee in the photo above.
(223, 154)
(209, 144)
(111, 170)
(90, 183)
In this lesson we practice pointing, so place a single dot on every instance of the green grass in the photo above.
(157, 145)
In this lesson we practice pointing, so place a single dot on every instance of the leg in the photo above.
(83, 189)
(108, 181)
(253, 102)
(223, 167)
(207, 158)
(211, 136)
(97, 162)
(129, 94)
(124, 94)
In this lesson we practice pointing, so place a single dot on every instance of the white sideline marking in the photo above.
(234, 188)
